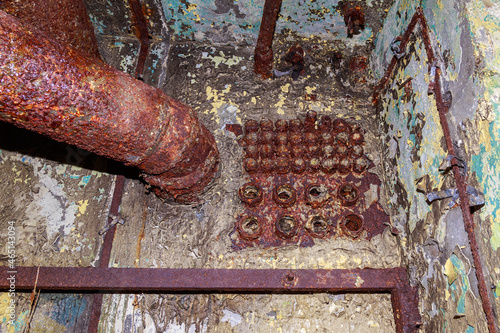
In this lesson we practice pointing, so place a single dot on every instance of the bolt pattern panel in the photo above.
(307, 179)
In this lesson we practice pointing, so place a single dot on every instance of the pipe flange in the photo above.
(317, 226)
(348, 194)
(249, 227)
(352, 225)
(284, 195)
(251, 194)
(286, 226)
(316, 195)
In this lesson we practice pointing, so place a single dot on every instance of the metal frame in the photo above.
(404, 298)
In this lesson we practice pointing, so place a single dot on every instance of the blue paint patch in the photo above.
(85, 180)
(469, 329)
(74, 176)
(67, 308)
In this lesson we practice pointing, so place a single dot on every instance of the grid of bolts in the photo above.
(318, 225)
(296, 146)
(313, 165)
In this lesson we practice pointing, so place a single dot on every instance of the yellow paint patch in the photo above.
(485, 134)
(82, 206)
(285, 88)
(309, 90)
(450, 271)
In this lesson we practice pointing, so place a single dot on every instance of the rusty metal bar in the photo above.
(461, 184)
(59, 92)
(141, 32)
(107, 245)
(66, 21)
(263, 56)
(154, 280)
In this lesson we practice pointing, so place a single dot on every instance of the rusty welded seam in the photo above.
(107, 245)
(461, 185)
(60, 92)
(404, 298)
(66, 21)
(263, 55)
(141, 32)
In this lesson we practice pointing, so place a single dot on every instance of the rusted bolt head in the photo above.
(357, 151)
(298, 151)
(360, 165)
(314, 164)
(357, 138)
(340, 125)
(266, 137)
(267, 150)
(318, 226)
(316, 195)
(281, 138)
(286, 226)
(295, 138)
(281, 125)
(268, 165)
(342, 138)
(310, 121)
(342, 151)
(295, 125)
(354, 18)
(325, 124)
(327, 137)
(311, 138)
(344, 166)
(266, 125)
(251, 194)
(249, 227)
(251, 165)
(327, 150)
(352, 225)
(313, 150)
(283, 151)
(284, 195)
(252, 138)
(252, 151)
(298, 165)
(328, 165)
(251, 126)
(289, 280)
(348, 194)
(282, 165)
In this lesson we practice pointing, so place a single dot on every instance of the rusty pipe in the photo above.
(263, 56)
(60, 92)
(66, 21)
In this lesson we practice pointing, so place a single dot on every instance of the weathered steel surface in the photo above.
(263, 65)
(57, 91)
(65, 20)
(127, 280)
(443, 107)
(306, 180)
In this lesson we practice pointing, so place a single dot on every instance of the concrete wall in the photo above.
(433, 237)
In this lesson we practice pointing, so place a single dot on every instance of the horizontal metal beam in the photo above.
(202, 280)
(129, 280)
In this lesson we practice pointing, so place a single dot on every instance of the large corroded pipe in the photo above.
(71, 97)
(65, 20)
